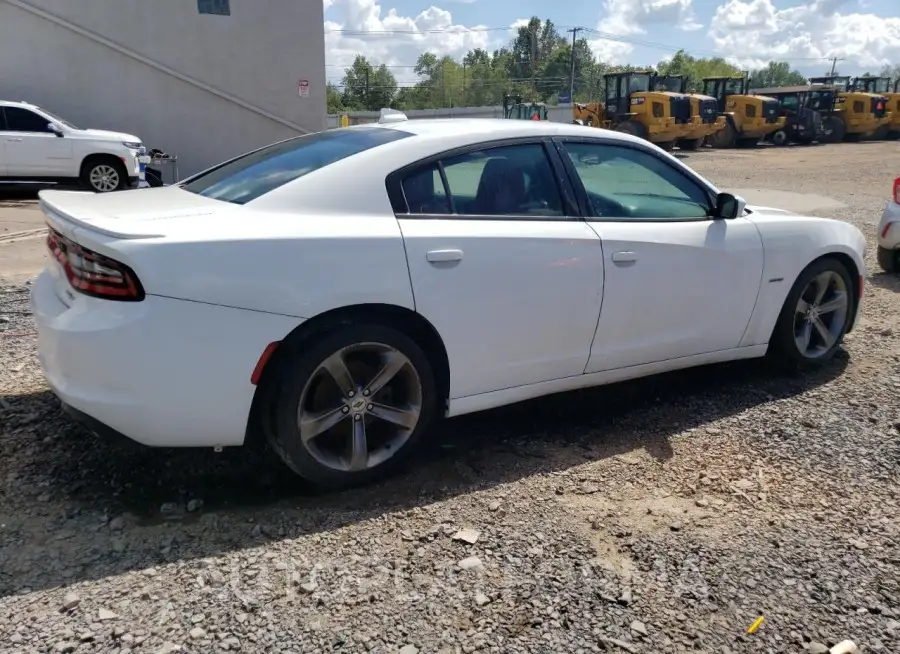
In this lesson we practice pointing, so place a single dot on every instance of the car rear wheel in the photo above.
(889, 260)
(815, 315)
(352, 406)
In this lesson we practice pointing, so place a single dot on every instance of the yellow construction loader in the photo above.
(882, 86)
(748, 118)
(705, 118)
(857, 114)
(632, 106)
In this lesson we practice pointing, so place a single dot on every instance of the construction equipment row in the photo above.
(728, 113)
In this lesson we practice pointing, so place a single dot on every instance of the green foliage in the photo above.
(777, 73)
(536, 64)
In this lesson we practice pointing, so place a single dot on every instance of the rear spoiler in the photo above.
(64, 221)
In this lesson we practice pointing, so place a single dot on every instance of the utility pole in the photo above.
(574, 31)
(834, 61)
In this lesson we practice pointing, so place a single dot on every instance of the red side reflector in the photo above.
(886, 229)
(263, 360)
(897, 190)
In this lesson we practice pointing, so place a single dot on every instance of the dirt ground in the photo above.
(21, 235)
(661, 515)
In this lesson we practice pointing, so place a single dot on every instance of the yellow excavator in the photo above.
(632, 106)
(882, 86)
(857, 114)
(705, 118)
(748, 118)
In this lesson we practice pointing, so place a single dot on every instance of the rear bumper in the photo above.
(163, 372)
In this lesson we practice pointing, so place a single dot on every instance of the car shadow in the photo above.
(74, 482)
(888, 281)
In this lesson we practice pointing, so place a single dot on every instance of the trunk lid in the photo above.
(136, 214)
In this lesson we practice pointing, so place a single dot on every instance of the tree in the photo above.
(367, 87)
(696, 69)
(777, 73)
(891, 71)
(333, 99)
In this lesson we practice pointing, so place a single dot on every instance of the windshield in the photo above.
(735, 86)
(248, 177)
(671, 84)
(820, 100)
(638, 83)
(57, 118)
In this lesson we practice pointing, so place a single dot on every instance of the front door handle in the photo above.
(437, 256)
(625, 256)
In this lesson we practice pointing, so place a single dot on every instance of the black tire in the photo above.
(690, 144)
(881, 133)
(782, 346)
(779, 138)
(893, 135)
(93, 168)
(724, 138)
(668, 146)
(836, 129)
(632, 127)
(299, 367)
(889, 260)
(747, 142)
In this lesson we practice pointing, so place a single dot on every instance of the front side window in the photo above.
(513, 180)
(252, 175)
(24, 120)
(790, 102)
(625, 183)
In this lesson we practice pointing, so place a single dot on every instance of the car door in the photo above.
(501, 263)
(32, 150)
(678, 282)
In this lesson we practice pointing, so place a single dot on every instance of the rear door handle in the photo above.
(626, 256)
(436, 256)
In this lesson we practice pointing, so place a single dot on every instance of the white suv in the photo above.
(36, 146)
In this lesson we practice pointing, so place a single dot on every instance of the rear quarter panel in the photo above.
(790, 244)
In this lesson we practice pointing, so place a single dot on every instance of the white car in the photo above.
(338, 292)
(889, 233)
(36, 146)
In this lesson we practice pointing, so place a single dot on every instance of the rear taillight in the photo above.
(897, 190)
(94, 274)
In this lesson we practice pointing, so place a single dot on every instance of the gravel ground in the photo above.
(663, 515)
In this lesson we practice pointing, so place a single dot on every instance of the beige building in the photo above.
(203, 79)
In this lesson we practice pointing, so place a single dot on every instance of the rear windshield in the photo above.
(255, 174)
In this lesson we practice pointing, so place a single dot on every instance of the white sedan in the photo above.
(889, 233)
(338, 292)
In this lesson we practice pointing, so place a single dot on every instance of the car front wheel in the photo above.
(352, 406)
(889, 260)
(104, 174)
(815, 315)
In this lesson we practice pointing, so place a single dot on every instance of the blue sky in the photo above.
(865, 33)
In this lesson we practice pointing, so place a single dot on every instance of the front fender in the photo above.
(790, 244)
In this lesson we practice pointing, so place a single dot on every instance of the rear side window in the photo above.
(248, 177)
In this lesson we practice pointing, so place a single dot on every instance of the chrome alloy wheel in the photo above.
(104, 178)
(359, 407)
(821, 314)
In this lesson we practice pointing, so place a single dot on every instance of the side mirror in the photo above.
(729, 206)
(53, 127)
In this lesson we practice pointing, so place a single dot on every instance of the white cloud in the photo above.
(753, 32)
(386, 37)
(628, 18)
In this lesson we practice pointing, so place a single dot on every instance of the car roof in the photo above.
(494, 128)
(16, 103)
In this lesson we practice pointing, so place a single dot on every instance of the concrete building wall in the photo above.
(204, 87)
